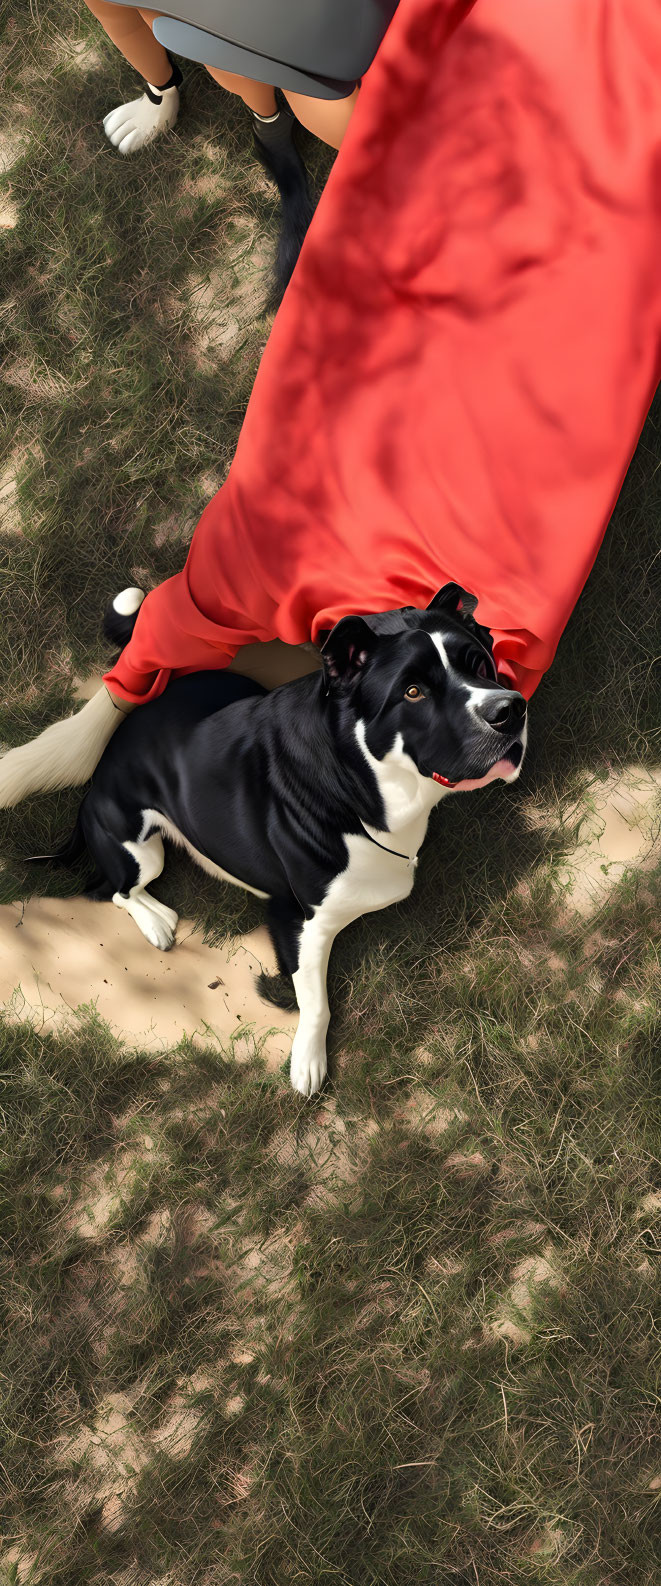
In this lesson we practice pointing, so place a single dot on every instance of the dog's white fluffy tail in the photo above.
(64, 755)
(67, 754)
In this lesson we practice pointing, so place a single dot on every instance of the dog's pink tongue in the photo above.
(500, 769)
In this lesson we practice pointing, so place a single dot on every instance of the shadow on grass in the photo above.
(246, 1339)
(341, 1363)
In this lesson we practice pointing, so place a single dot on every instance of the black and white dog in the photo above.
(315, 796)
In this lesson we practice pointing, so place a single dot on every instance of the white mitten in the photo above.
(131, 126)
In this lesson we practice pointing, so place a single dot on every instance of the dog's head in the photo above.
(424, 685)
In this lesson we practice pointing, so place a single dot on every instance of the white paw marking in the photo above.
(308, 1068)
(157, 922)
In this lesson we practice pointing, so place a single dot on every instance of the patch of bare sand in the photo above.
(35, 382)
(185, 1414)
(551, 1543)
(176, 529)
(466, 1164)
(12, 145)
(215, 180)
(8, 212)
(225, 303)
(620, 826)
(109, 1186)
(111, 1451)
(527, 1276)
(425, 1112)
(78, 53)
(209, 482)
(57, 955)
(265, 1270)
(10, 517)
(23, 1563)
(650, 1204)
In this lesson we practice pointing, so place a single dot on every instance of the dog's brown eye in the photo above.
(413, 692)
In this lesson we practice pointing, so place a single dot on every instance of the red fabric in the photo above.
(457, 378)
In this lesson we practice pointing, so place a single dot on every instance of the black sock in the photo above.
(175, 80)
(274, 132)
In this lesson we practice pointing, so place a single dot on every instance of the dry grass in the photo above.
(407, 1333)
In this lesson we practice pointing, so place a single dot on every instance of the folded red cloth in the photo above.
(458, 375)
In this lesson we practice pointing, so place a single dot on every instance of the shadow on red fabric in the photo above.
(457, 378)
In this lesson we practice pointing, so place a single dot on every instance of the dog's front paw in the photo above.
(160, 934)
(308, 1069)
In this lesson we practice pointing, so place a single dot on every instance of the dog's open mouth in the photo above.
(504, 767)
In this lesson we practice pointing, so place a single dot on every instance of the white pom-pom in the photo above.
(131, 126)
(127, 601)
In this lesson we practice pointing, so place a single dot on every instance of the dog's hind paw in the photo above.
(157, 922)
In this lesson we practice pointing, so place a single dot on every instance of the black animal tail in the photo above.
(119, 617)
(277, 989)
(96, 885)
(74, 847)
(277, 152)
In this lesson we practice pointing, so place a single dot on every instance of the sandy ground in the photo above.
(58, 954)
(620, 826)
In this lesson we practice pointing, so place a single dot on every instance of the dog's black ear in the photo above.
(347, 649)
(459, 603)
(455, 600)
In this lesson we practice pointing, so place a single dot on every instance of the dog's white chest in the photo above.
(372, 879)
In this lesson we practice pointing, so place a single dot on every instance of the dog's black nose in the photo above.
(505, 712)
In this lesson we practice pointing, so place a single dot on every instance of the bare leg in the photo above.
(259, 97)
(328, 119)
(130, 32)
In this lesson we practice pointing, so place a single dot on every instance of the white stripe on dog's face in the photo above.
(439, 645)
(476, 696)
(476, 693)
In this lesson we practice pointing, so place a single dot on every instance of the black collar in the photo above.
(410, 861)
